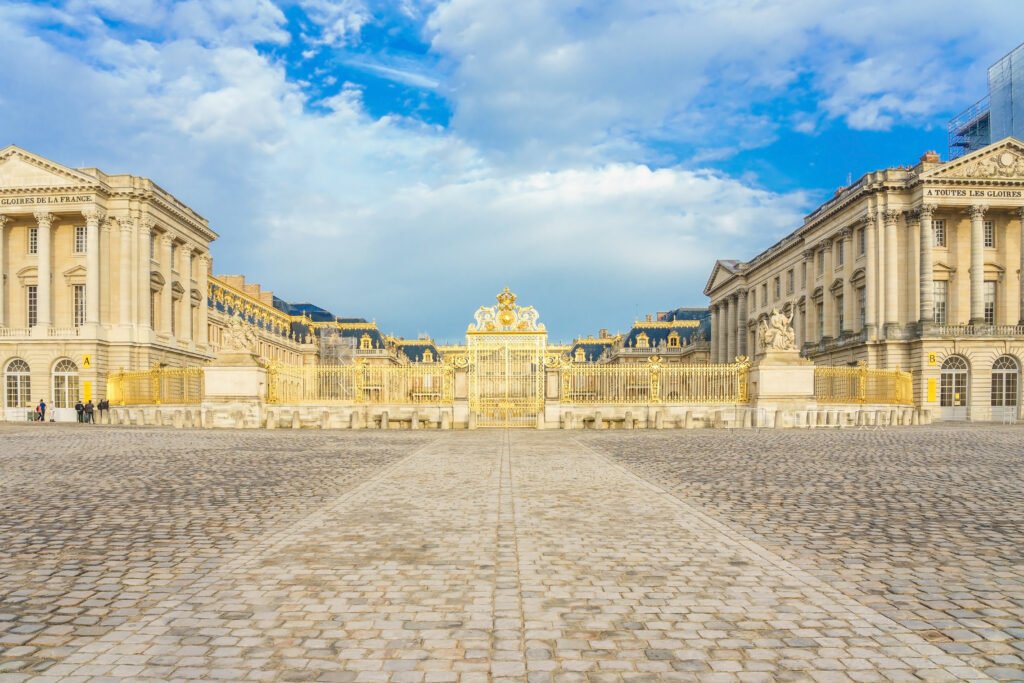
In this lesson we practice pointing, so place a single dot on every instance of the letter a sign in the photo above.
(86, 361)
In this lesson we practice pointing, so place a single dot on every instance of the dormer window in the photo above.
(673, 340)
(581, 355)
(428, 356)
(365, 342)
(643, 341)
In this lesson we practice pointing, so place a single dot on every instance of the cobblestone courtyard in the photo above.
(140, 554)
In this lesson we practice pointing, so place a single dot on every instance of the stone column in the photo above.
(848, 297)
(142, 312)
(202, 284)
(927, 291)
(4, 220)
(892, 281)
(723, 339)
(829, 328)
(186, 306)
(731, 345)
(44, 221)
(1020, 219)
(741, 326)
(977, 214)
(808, 299)
(715, 331)
(871, 274)
(166, 294)
(93, 216)
(124, 277)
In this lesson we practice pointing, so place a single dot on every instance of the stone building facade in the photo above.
(918, 268)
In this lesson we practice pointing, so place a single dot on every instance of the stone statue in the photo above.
(239, 336)
(776, 333)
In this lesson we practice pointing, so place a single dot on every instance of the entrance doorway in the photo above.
(1005, 389)
(953, 388)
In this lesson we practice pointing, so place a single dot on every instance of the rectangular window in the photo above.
(941, 295)
(33, 240)
(753, 298)
(819, 310)
(32, 304)
(839, 314)
(152, 309)
(840, 252)
(990, 234)
(777, 287)
(789, 281)
(174, 309)
(803, 275)
(78, 300)
(990, 303)
(821, 262)
(862, 307)
(79, 239)
(152, 247)
(764, 294)
(939, 229)
(174, 257)
(862, 242)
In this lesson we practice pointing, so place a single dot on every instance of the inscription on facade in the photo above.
(46, 200)
(972, 193)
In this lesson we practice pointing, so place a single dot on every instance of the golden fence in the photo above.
(159, 386)
(643, 383)
(432, 383)
(862, 385)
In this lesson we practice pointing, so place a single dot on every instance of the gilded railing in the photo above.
(862, 385)
(653, 382)
(158, 386)
(432, 383)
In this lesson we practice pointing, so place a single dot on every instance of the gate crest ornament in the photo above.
(506, 316)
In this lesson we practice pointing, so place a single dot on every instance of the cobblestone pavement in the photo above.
(468, 556)
(924, 525)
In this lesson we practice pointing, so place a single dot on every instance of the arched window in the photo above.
(953, 388)
(643, 341)
(428, 356)
(19, 384)
(65, 384)
(1005, 386)
(673, 340)
(364, 342)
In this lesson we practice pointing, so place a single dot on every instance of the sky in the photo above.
(404, 161)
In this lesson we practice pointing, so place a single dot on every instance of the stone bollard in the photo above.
(659, 419)
(687, 419)
(325, 420)
(915, 417)
(176, 420)
(271, 420)
(540, 419)
(385, 419)
(355, 420)
(598, 422)
(471, 421)
(414, 421)
(628, 421)
(239, 417)
(747, 418)
(296, 420)
(446, 420)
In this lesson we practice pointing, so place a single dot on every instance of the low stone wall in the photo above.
(254, 415)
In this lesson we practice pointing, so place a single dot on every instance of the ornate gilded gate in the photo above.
(506, 372)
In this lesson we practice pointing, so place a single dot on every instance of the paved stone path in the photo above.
(482, 556)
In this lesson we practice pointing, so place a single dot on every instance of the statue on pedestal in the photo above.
(776, 333)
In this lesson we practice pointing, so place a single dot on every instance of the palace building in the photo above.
(919, 268)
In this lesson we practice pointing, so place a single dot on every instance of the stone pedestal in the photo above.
(781, 384)
(234, 391)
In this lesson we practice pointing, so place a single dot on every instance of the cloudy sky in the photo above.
(404, 160)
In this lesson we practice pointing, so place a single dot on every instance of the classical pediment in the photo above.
(21, 169)
(1002, 160)
(723, 271)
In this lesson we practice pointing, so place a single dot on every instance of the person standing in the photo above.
(104, 406)
(41, 410)
(89, 408)
(80, 410)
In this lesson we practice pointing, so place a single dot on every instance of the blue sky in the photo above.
(406, 160)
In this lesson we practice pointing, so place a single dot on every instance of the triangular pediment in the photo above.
(720, 274)
(19, 168)
(1003, 160)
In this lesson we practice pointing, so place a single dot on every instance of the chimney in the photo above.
(602, 333)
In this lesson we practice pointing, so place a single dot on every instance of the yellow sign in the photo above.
(86, 361)
(87, 391)
(931, 391)
(933, 358)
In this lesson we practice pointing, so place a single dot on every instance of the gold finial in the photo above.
(506, 298)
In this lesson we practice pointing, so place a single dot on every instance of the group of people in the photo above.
(84, 411)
